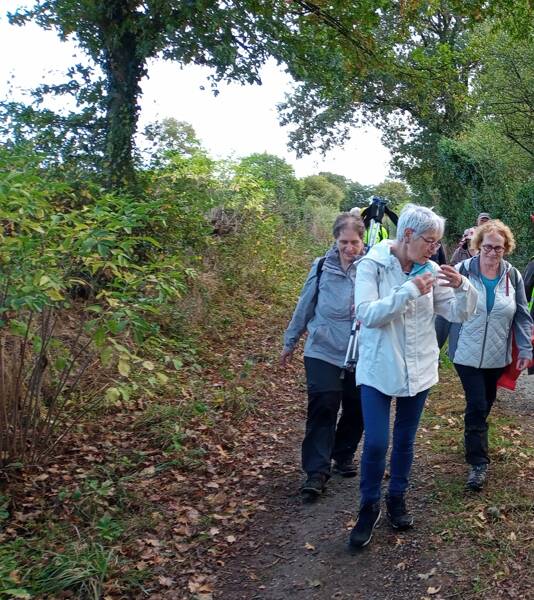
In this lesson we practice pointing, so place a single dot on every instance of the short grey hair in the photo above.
(419, 219)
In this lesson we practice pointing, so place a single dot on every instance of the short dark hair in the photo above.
(346, 220)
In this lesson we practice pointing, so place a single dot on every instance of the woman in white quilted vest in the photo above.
(481, 347)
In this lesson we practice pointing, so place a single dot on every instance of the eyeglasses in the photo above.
(431, 243)
(489, 248)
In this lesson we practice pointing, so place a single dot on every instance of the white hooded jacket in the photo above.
(398, 351)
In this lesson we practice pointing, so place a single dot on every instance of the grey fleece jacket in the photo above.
(327, 320)
(485, 340)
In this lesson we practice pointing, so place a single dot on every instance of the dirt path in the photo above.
(520, 402)
(300, 551)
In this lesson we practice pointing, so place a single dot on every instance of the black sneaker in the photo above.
(477, 477)
(346, 468)
(362, 532)
(313, 487)
(397, 514)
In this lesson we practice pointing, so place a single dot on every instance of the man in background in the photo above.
(482, 218)
(463, 251)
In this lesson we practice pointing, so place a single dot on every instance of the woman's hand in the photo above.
(449, 276)
(286, 357)
(424, 283)
(522, 363)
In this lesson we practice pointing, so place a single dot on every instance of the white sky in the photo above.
(239, 121)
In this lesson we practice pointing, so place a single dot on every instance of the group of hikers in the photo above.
(392, 292)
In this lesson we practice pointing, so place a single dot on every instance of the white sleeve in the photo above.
(456, 305)
(372, 310)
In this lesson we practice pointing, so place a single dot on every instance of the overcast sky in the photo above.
(239, 121)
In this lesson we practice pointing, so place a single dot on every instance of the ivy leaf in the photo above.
(54, 295)
(113, 395)
(16, 593)
(124, 366)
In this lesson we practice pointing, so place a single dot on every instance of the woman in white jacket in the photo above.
(398, 291)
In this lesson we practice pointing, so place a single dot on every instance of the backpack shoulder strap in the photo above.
(318, 273)
(514, 277)
(463, 270)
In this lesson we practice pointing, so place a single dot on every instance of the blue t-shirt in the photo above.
(490, 285)
(420, 269)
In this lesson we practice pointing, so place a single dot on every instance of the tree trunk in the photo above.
(124, 68)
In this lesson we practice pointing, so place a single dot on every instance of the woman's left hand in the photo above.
(522, 363)
(449, 277)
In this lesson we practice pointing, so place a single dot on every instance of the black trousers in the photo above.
(480, 386)
(328, 438)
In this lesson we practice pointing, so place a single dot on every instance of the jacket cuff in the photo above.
(463, 287)
(525, 354)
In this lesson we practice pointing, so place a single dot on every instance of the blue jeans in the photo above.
(375, 408)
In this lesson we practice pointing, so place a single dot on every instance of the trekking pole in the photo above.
(356, 327)
(374, 230)
(350, 356)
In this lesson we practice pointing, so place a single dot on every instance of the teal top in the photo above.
(490, 285)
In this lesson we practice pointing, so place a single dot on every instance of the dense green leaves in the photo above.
(120, 36)
(279, 180)
(505, 87)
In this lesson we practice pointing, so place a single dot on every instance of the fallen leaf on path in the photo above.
(433, 590)
(165, 581)
(428, 575)
(314, 583)
(309, 546)
(199, 586)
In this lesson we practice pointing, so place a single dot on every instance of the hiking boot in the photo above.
(362, 532)
(313, 487)
(397, 514)
(345, 468)
(477, 477)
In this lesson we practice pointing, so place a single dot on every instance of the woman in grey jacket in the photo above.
(325, 310)
(482, 346)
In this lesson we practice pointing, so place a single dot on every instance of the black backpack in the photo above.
(318, 274)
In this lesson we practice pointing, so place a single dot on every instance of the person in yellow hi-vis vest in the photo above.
(375, 234)
(372, 216)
